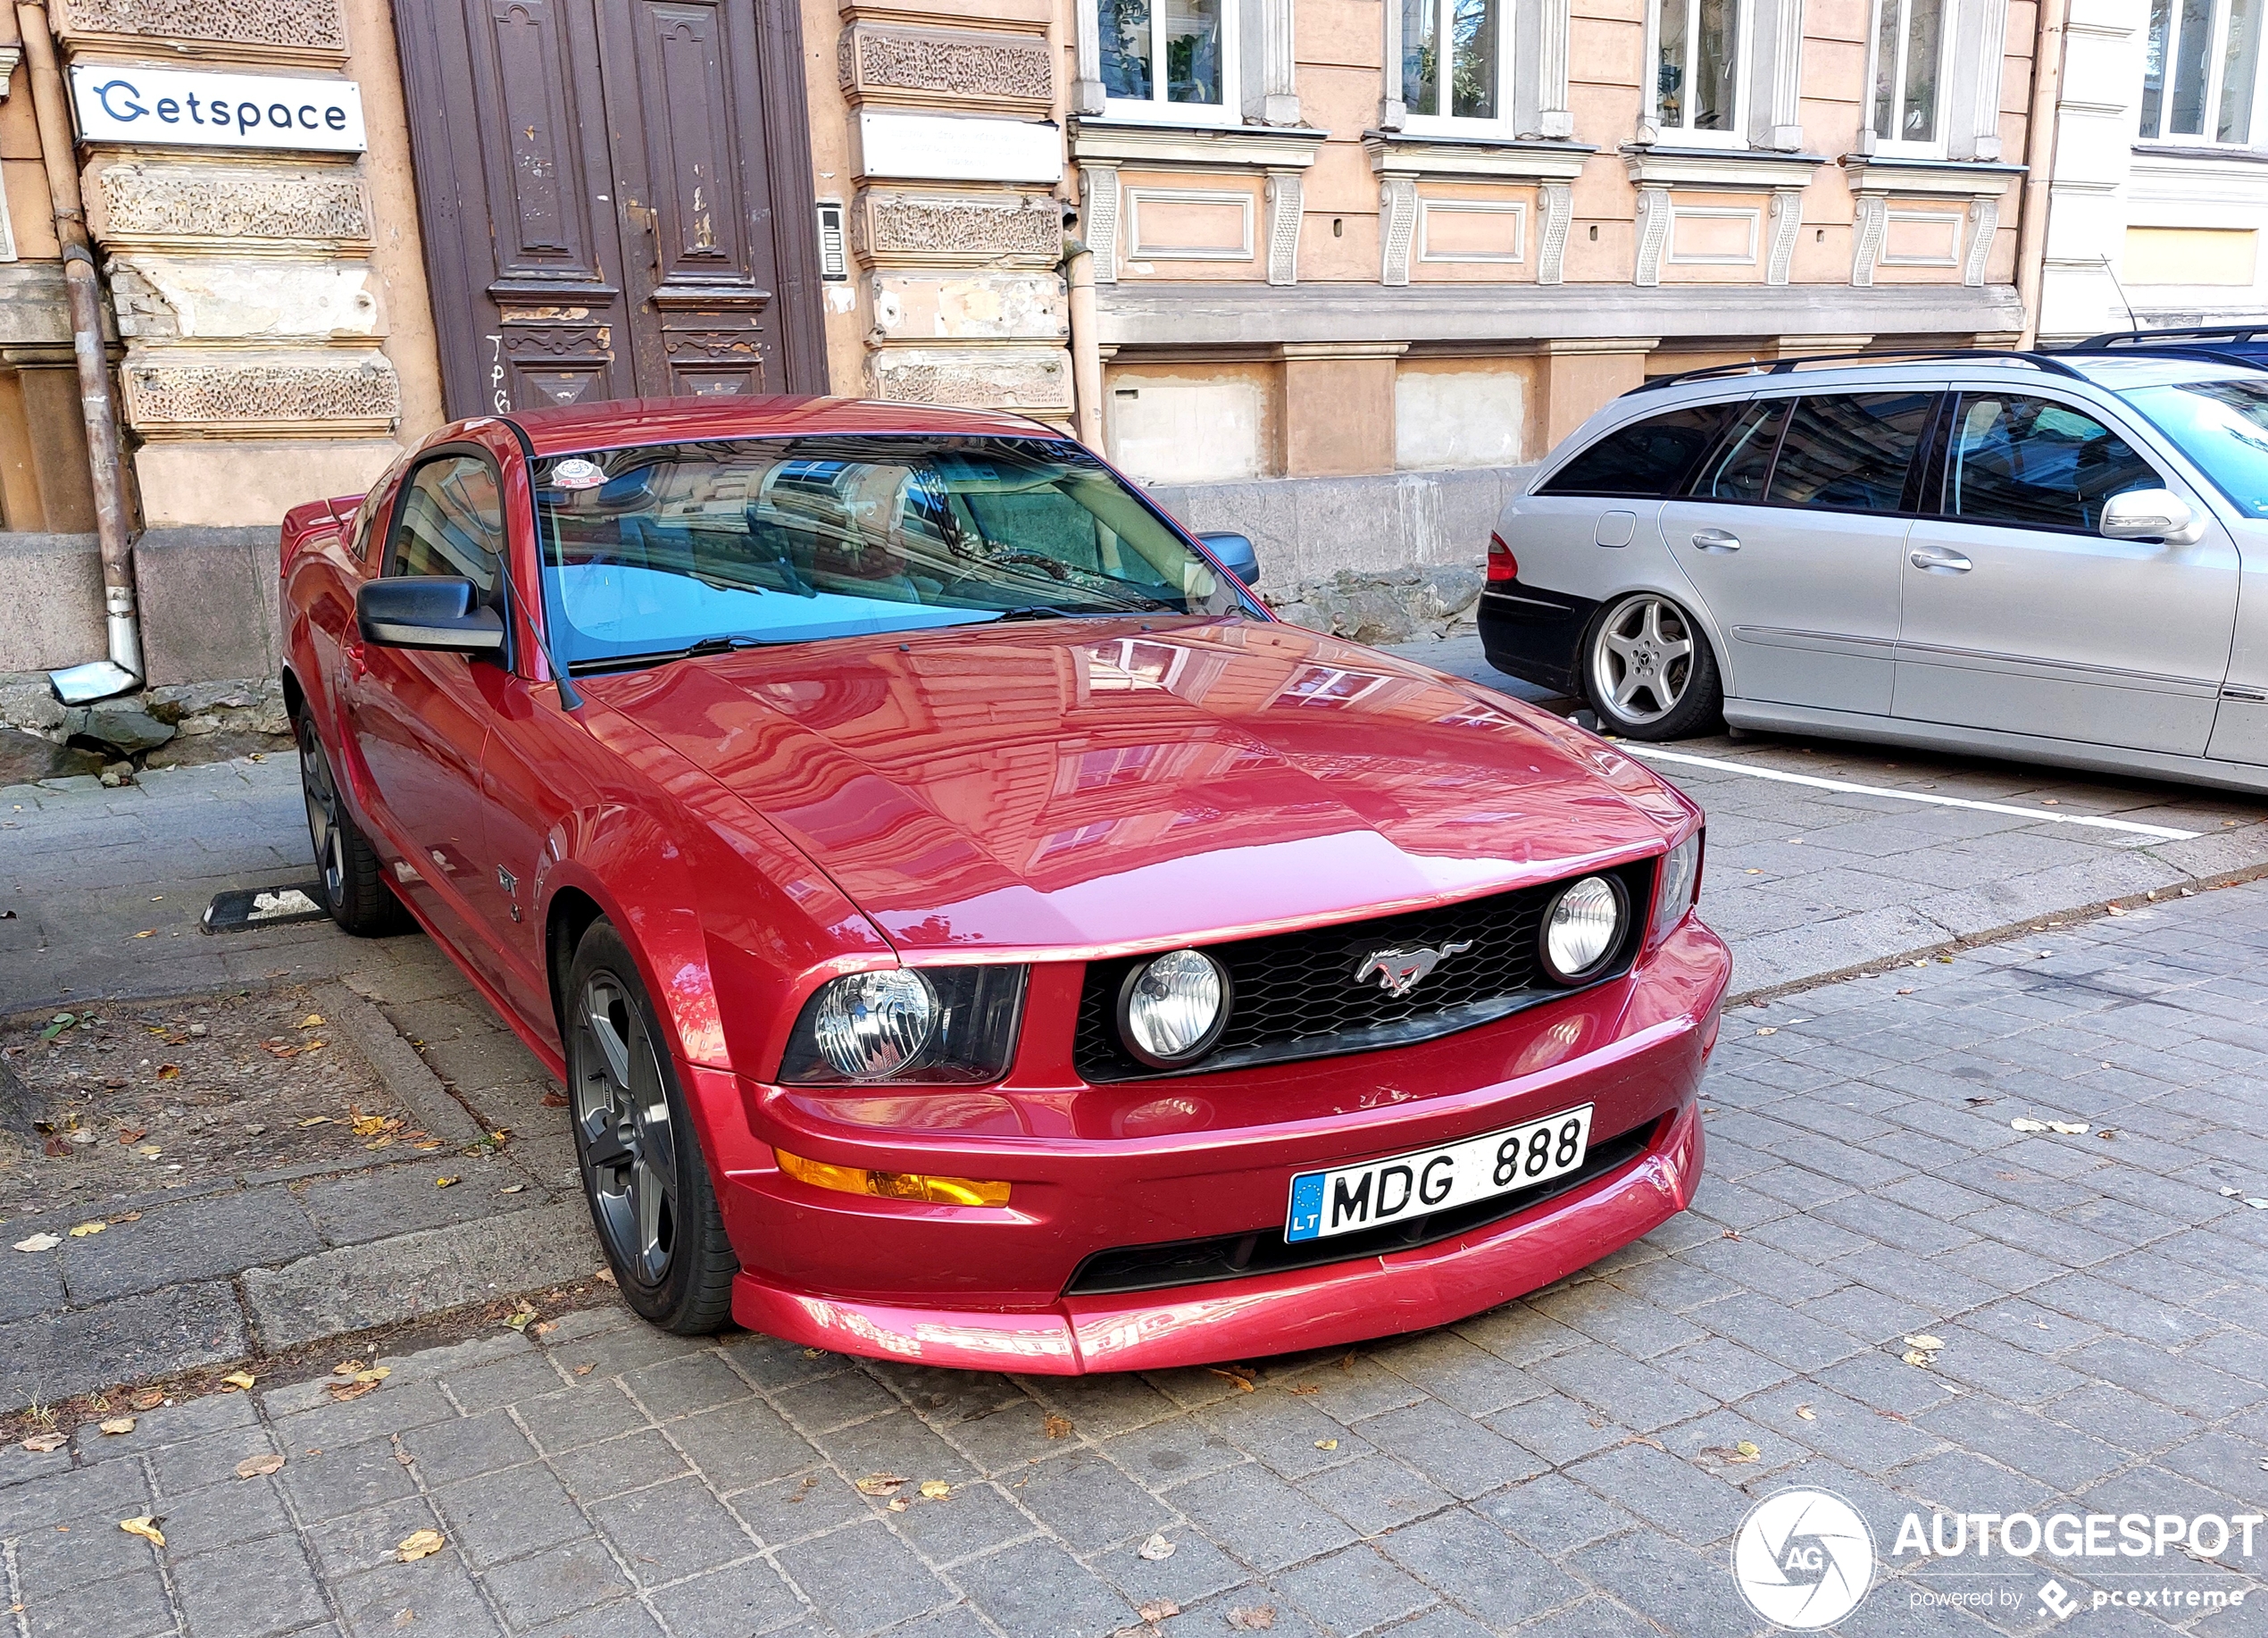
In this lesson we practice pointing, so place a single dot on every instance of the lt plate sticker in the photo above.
(1380, 1192)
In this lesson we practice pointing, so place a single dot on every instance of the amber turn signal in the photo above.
(892, 1185)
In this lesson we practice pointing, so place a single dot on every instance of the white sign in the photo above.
(172, 107)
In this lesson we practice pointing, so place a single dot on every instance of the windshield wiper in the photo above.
(1049, 611)
(692, 651)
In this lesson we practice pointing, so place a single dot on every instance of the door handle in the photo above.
(1715, 540)
(1939, 563)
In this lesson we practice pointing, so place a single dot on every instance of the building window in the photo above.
(2201, 70)
(1909, 71)
(1167, 58)
(1699, 71)
(1455, 56)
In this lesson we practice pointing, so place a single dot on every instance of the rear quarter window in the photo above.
(1645, 458)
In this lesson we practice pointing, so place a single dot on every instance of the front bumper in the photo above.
(984, 1288)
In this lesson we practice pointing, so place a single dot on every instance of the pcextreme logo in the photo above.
(1803, 1559)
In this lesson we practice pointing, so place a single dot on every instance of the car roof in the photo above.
(2116, 372)
(620, 422)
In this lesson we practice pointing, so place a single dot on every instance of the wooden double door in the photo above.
(614, 196)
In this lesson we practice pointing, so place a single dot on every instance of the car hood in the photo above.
(1083, 786)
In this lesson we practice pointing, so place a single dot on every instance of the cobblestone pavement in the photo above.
(1571, 1465)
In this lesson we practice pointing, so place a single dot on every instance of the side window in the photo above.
(2036, 463)
(358, 539)
(1743, 462)
(1849, 452)
(1649, 457)
(450, 521)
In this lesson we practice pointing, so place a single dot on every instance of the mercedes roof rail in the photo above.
(2116, 339)
(2179, 349)
(1784, 366)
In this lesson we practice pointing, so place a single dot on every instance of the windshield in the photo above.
(650, 551)
(2221, 425)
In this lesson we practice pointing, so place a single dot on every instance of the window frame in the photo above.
(1948, 30)
(1154, 109)
(397, 505)
(1417, 123)
(2217, 82)
(1744, 71)
(1940, 452)
(1726, 409)
(1918, 467)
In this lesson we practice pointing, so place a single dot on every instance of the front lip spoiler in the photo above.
(1269, 1314)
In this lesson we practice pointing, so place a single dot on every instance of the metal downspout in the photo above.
(2040, 161)
(1085, 355)
(123, 669)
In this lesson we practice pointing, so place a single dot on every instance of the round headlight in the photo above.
(1582, 928)
(872, 1024)
(1170, 1008)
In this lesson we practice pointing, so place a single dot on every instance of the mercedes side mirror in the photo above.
(2151, 514)
(1235, 554)
(428, 611)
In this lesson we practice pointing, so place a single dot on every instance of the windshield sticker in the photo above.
(577, 474)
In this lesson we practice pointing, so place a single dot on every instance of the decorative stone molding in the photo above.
(10, 55)
(1174, 147)
(1474, 159)
(1719, 170)
(1098, 217)
(1557, 203)
(1286, 190)
(272, 30)
(1035, 380)
(1786, 228)
(1781, 39)
(1551, 118)
(958, 229)
(1272, 91)
(1008, 73)
(1397, 212)
(1873, 179)
(147, 201)
(1653, 236)
(261, 396)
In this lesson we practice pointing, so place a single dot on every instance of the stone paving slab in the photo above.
(1573, 1465)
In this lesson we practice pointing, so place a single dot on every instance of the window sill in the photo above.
(2189, 153)
(1109, 141)
(1945, 178)
(1492, 158)
(1719, 170)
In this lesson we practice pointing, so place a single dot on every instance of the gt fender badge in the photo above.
(1402, 968)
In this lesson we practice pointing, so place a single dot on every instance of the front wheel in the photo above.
(651, 1198)
(1648, 673)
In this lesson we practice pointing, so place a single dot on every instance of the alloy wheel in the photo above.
(1643, 659)
(323, 827)
(622, 1123)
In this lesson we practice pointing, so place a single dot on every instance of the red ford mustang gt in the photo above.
(970, 929)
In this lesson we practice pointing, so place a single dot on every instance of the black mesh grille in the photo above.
(1295, 994)
(1232, 1257)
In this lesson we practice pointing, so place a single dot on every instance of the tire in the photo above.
(351, 880)
(1647, 671)
(651, 1198)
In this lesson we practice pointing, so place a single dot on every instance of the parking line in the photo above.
(2158, 833)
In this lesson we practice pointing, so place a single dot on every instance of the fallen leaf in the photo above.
(39, 1444)
(936, 1490)
(167, 1071)
(149, 1398)
(147, 933)
(1327, 1444)
(131, 1138)
(39, 1242)
(554, 1101)
(149, 1152)
(278, 1052)
(312, 1021)
(1304, 1390)
(346, 1367)
(2107, 1133)
(1906, 991)
(2226, 1194)
(240, 1380)
(259, 1466)
(1769, 1029)
(421, 1544)
(900, 1505)
(1806, 1413)
(512, 1189)
(1241, 1382)
(2256, 1203)
(2115, 909)
(318, 1120)
(2021, 1124)
(145, 1527)
(1926, 1342)
(605, 1276)
(519, 1318)
(1980, 1098)
(118, 1424)
(1156, 1550)
(1253, 1617)
(1055, 1427)
(1914, 1356)
(446, 1183)
(1733, 1456)
(584, 1370)
(1159, 1609)
(79, 1231)
(879, 1483)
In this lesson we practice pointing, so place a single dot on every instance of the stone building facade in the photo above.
(1325, 270)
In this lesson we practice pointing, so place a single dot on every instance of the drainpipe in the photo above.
(1086, 352)
(98, 679)
(2040, 161)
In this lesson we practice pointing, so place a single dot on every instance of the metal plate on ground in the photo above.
(242, 909)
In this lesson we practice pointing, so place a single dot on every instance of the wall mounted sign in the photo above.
(172, 107)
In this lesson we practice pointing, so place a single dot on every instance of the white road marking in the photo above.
(2157, 832)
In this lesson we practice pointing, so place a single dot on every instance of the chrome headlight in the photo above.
(1171, 1009)
(1676, 883)
(1582, 928)
(954, 1026)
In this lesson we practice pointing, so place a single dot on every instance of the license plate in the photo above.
(1353, 1198)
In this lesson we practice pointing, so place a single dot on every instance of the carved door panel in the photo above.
(698, 253)
(612, 195)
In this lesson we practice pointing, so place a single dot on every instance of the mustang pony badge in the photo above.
(1400, 970)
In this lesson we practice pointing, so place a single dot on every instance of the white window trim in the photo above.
(1531, 84)
(1156, 110)
(1257, 72)
(1420, 124)
(1743, 75)
(1898, 147)
(1971, 47)
(2216, 48)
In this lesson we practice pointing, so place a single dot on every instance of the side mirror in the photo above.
(428, 611)
(1236, 555)
(2151, 514)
